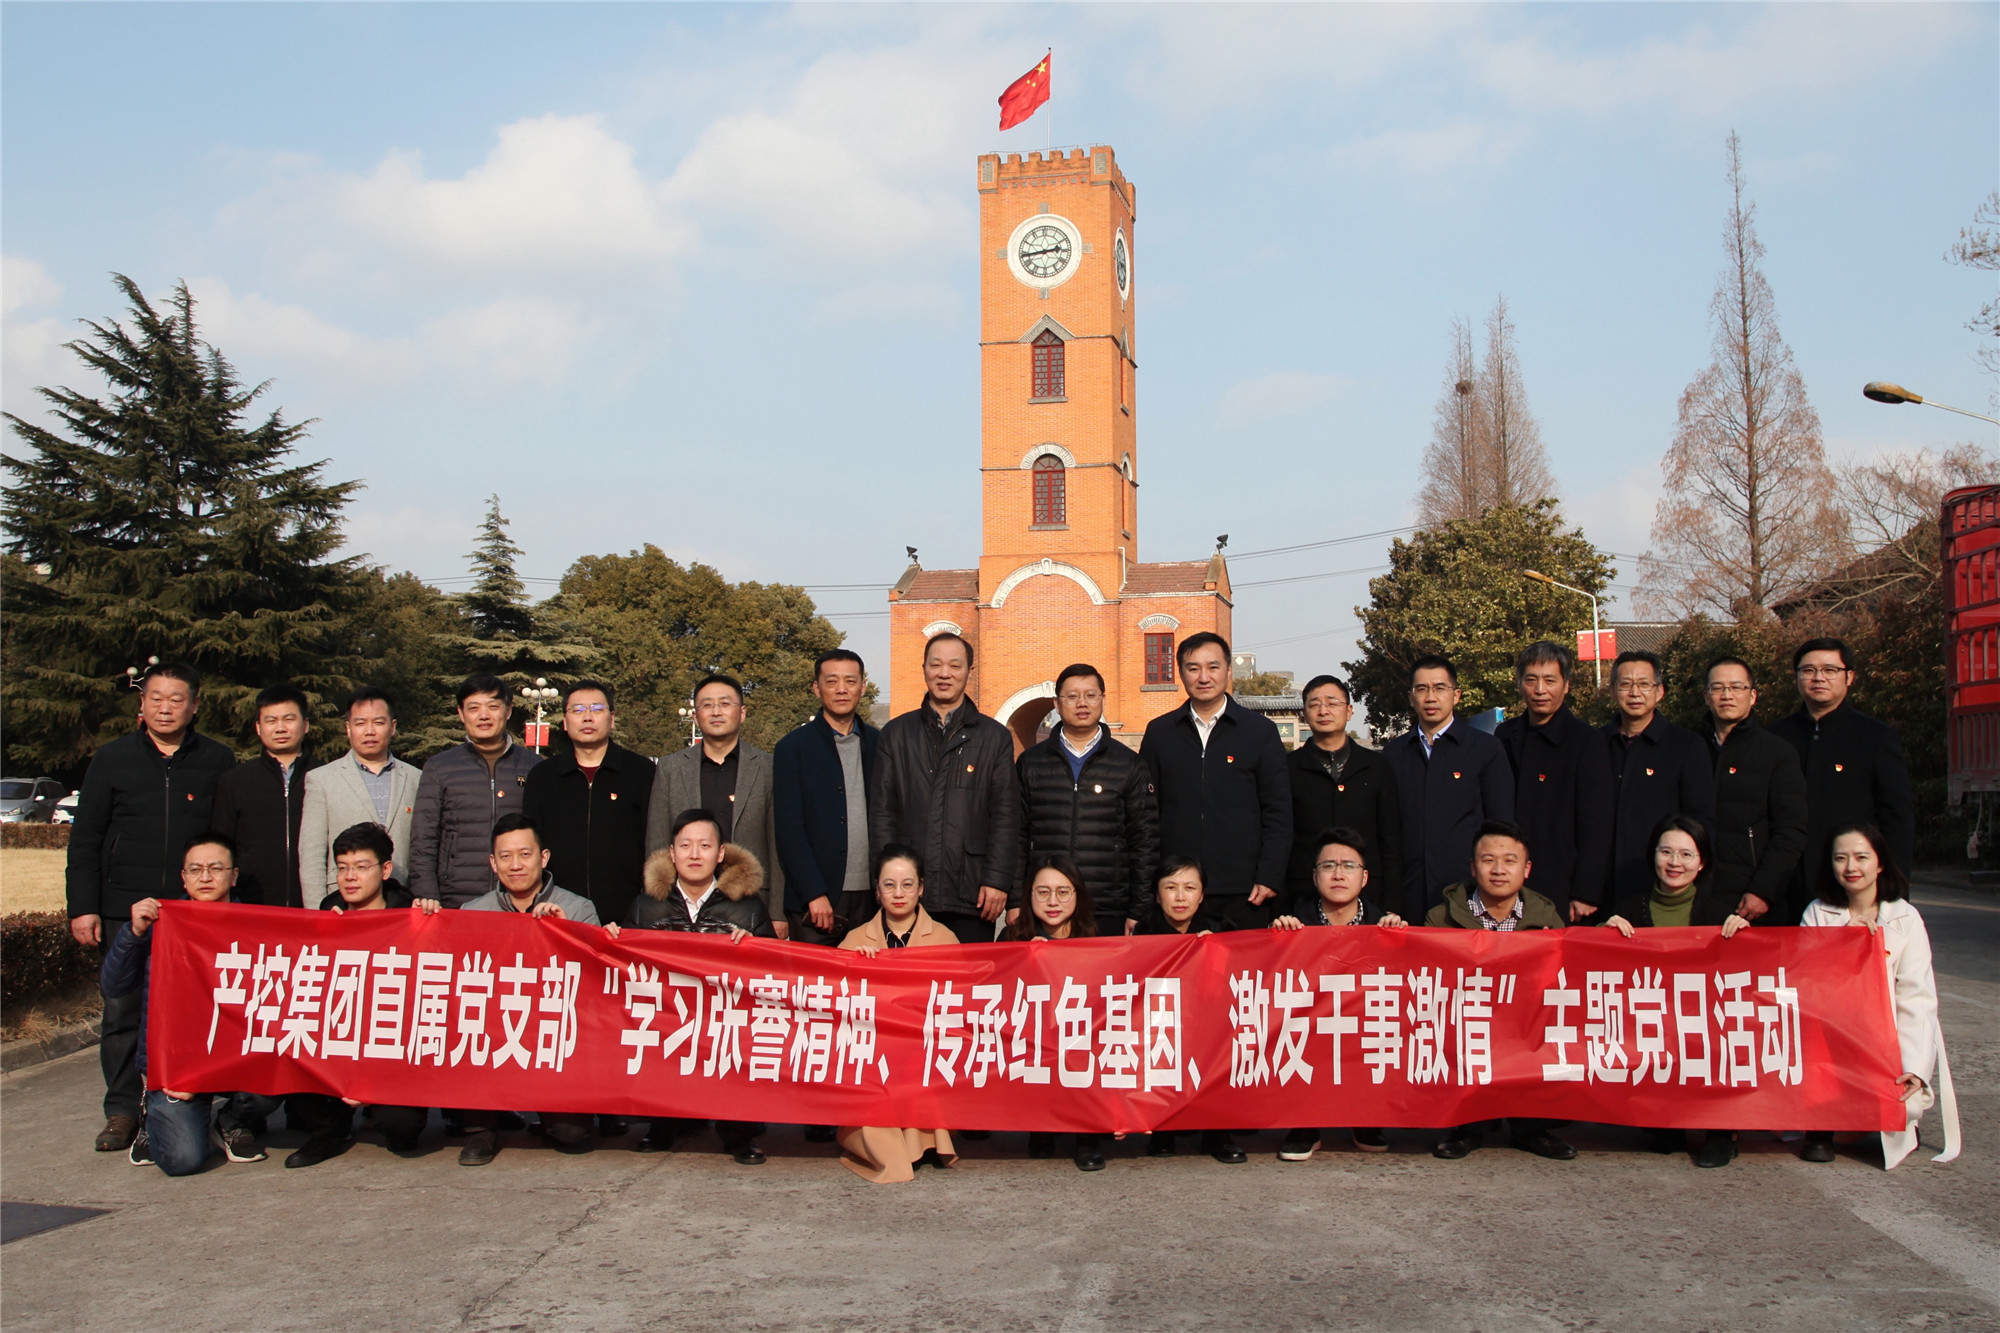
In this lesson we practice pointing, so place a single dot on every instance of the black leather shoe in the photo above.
(1041, 1145)
(613, 1127)
(1160, 1145)
(1089, 1159)
(1817, 1150)
(400, 1147)
(315, 1151)
(747, 1154)
(819, 1133)
(1453, 1146)
(567, 1136)
(1666, 1141)
(509, 1120)
(481, 1147)
(1718, 1150)
(1224, 1150)
(1542, 1143)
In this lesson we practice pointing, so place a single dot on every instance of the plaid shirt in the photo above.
(1487, 921)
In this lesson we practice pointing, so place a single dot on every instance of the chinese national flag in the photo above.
(1024, 95)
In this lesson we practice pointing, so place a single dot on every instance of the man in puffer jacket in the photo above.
(463, 793)
(1088, 797)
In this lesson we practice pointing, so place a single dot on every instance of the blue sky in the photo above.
(706, 276)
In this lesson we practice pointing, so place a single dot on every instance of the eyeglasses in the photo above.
(1344, 867)
(1678, 856)
(1431, 691)
(1043, 894)
(213, 870)
(1091, 698)
(1732, 689)
(579, 710)
(1821, 672)
(350, 867)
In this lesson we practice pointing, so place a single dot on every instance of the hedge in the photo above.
(41, 957)
(41, 837)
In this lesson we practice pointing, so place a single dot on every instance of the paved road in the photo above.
(1617, 1239)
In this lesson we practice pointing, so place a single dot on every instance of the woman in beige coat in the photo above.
(872, 1152)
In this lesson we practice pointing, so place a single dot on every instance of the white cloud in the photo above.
(24, 285)
(31, 350)
(1433, 151)
(1271, 397)
(514, 340)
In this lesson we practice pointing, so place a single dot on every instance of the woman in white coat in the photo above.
(1868, 890)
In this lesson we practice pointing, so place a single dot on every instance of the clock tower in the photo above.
(1059, 578)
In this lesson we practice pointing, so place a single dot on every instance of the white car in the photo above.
(65, 811)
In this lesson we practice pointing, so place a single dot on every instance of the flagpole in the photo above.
(1049, 111)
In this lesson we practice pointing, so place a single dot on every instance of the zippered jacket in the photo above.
(254, 806)
(451, 831)
(1104, 820)
(134, 814)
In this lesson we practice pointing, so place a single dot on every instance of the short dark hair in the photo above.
(694, 815)
(1200, 640)
(368, 694)
(1640, 655)
(481, 682)
(1501, 828)
(1082, 922)
(1433, 662)
(717, 678)
(1728, 659)
(1173, 865)
(577, 687)
(209, 838)
(1704, 845)
(839, 655)
(1346, 837)
(935, 639)
(894, 851)
(369, 837)
(1823, 645)
(1891, 884)
(514, 822)
(1318, 682)
(1540, 653)
(179, 671)
(1075, 669)
(286, 693)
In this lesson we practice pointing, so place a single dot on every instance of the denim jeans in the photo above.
(177, 1132)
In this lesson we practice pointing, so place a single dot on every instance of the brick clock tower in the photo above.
(1059, 577)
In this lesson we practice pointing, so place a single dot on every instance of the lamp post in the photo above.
(136, 678)
(1596, 643)
(694, 727)
(542, 694)
(1884, 392)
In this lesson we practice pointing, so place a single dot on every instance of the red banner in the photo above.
(1774, 1029)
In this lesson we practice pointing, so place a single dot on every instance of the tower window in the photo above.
(1160, 659)
(1048, 352)
(1050, 500)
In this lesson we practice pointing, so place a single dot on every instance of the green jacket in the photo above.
(1537, 912)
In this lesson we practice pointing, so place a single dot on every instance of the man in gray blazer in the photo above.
(728, 777)
(368, 785)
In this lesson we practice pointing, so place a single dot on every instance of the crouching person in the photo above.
(521, 864)
(1498, 898)
(175, 1133)
(701, 884)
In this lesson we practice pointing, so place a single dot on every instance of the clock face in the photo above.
(1044, 251)
(1121, 263)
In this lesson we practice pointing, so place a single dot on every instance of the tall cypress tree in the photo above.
(503, 634)
(161, 520)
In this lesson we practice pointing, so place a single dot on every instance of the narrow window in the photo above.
(1050, 504)
(1159, 659)
(1048, 349)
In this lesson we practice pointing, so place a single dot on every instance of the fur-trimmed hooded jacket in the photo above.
(736, 901)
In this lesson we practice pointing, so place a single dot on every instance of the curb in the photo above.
(29, 1052)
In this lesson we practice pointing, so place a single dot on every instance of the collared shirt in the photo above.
(1333, 761)
(694, 905)
(896, 941)
(379, 787)
(1488, 921)
(1359, 918)
(718, 788)
(853, 779)
(1076, 756)
(1203, 729)
(941, 728)
(1428, 741)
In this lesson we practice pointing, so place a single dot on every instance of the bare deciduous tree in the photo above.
(1454, 483)
(1749, 513)
(1517, 469)
(1485, 447)
(1892, 510)
(1978, 246)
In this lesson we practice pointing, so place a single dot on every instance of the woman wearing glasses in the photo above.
(1059, 908)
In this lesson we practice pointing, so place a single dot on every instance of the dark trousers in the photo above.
(970, 927)
(849, 911)
(1237, 911)
(118, 1046)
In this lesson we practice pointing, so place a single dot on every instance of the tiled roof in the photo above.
(943, 585)
(1171, 576)
(1643, 636)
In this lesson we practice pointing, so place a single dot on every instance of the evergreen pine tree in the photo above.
(502, 634)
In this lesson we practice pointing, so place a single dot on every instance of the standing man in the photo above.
(1088, 797)
(1224, 790)
(1562, 785)
(820, 776)
(589, 807)
(261, 802)
(1337, 782)
(1657, 769)
(728, 776)
(1853, 765)
(944, 783)
(366, 786)
(463, 793)
(144, 795)
(1760, 800)
(1450, 779)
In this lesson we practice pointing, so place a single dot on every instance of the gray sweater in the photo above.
(575, 907)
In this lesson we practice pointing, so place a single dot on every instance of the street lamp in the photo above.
(1596, 643)
(136, 678)
(694, 727)
(1884, 392)
(541, 694)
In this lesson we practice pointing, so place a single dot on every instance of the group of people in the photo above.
(929, 832)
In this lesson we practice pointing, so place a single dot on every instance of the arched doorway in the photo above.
(1030, 714)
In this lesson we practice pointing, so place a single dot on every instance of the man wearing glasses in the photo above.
(1657, 769)
(590, 805)
(1451, 778)
(1853, 765)
(1760, 800)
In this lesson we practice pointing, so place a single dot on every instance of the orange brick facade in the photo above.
(1056, 265)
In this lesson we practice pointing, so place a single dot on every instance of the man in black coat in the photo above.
(1760, 801)
(589, 806)
(1337, 782)
(819, 796)
(1562, 785)
(1089, 797)
(1658, 769)
(1853, 765)
(1223, 788)
(144, 795)
(260, 802)
(944, 784)
(1450, 779)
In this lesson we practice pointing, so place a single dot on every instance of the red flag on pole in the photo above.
(1024, 95)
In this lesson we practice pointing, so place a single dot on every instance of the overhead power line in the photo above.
(1314, 546)
(1307, 578)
